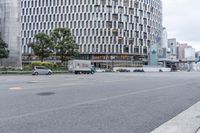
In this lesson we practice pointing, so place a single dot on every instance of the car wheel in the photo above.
(49, 73)
(36, 73)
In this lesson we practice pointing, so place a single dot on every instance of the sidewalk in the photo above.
(198, 130)
(186, 122)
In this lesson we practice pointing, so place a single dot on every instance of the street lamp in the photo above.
(107, 61)
(112, 58)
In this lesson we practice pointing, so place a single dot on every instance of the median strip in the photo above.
(186, 122)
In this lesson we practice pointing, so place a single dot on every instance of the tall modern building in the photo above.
(122, 30)
(10, 31)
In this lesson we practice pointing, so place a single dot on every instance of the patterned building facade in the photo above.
(104, 29)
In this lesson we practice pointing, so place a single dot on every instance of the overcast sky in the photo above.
(182, 20)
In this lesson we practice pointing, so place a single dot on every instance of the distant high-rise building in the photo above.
(10, 31)
(172, 46)
(123, 29)
(164, 38)
(164, 44)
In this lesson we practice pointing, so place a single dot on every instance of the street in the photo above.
(99, 103)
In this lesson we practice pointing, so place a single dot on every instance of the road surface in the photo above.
(99, 103)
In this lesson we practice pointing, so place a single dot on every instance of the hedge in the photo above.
(49, 65)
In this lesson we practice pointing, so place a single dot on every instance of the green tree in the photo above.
(4, 52)
(43, 47)
(66, 47)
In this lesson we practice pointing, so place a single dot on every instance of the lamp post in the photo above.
(107, 61)
(112, 58)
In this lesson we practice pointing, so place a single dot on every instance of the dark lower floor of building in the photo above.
(106, 61)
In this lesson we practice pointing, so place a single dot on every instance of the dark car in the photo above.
(138, 70)
(123, 70)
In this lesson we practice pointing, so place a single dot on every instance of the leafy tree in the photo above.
(66, 47)
(43, 47)
(4, 52)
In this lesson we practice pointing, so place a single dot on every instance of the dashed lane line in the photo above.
(16, 88)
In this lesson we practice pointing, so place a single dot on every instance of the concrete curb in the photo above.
(198, 130)
(186, 122)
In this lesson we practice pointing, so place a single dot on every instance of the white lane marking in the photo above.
(15, 88)
(186, 122)
(123, 80)
(34, 82)
(70, 84)
(87, 102)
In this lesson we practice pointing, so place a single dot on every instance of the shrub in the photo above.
(49, 65)
(7, 69)
(27, 67)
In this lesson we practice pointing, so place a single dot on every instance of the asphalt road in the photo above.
(100, 103)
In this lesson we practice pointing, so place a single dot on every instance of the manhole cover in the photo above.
(45, 93)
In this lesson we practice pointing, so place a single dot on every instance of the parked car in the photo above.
(174, 68)
(99, 70)
(41, 70)
(123, 70)
(138, 70)
(109, 70)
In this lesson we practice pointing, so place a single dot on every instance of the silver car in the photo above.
(40, 70)
(99, 70)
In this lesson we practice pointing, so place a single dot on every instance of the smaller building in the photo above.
(198, 56)
(189, 53)
(172, 45)
(197, 53)
(181, 51)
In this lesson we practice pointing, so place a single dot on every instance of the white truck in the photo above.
(80, 67)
